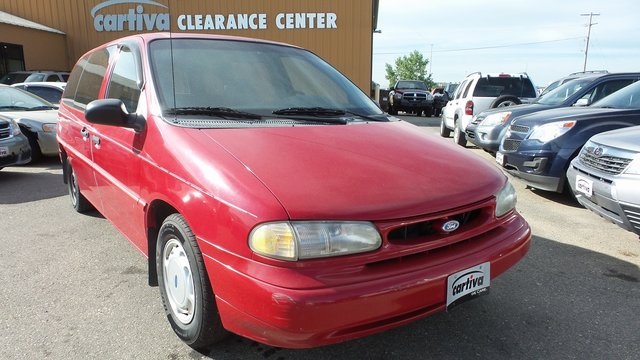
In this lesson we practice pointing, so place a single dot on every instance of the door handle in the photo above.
(96, 140)
(85, 133)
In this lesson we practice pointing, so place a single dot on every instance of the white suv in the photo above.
(477, 93)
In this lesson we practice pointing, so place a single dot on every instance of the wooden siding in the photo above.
(348, 47)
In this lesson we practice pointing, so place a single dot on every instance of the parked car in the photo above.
(411, 96)
(570, 77)
(539, 147)
(14, 147)
(50, 91)
(34, 76)
(605, 177)
(36, 117)
(487, 129)
(273, 198)
(478, 93)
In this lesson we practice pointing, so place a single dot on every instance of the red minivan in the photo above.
(273, 198)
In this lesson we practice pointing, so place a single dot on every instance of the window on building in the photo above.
(11, 58)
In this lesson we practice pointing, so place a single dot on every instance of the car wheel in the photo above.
(78, 201)
(505, 100)
(458, 136)
(36, 153)
(184, 286)
(392, 111)
(444, 131)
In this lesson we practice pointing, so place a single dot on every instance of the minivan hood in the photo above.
(361, 171)
(625, 138)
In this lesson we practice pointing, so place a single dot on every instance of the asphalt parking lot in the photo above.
(74, 288)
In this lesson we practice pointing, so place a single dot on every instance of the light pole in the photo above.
(586, 50)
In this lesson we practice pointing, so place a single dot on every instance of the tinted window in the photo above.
(608, 88)
(123, 83)
(498, 86)
(626, 98)
(52, 95)
(53, 78)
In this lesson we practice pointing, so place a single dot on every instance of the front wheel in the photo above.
(444, 130)
(78, 201)
(184, 286)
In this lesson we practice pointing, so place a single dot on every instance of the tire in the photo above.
(36, 153)
(505, 100)
(459, 136)
(392, 111)
(78, 201)
(444, 130)
(186, 293)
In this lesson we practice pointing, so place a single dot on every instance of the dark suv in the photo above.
(538, 147)
(488, 127)
(410, 96)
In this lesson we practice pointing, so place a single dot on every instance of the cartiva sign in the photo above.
(138, 19)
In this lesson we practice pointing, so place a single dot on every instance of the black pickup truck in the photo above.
(410, 96)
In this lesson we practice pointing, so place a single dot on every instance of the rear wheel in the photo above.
(186, 293)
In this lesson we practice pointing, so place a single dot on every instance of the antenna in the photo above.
(586, 51)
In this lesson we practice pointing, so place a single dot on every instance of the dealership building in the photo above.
(53, 34)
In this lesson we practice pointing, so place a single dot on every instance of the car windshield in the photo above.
(12, 99)
(563, 92)
(249, 77)
(12, 78)
(418, 85)
(625, 98)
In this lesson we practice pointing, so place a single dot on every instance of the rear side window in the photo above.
(50, 94)
(498, 86)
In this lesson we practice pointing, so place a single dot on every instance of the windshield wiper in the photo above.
(13, 107)
(322, 113)
(222, 112)
(42, 107)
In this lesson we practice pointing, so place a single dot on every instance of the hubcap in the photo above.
(178, 281)
(73, 188)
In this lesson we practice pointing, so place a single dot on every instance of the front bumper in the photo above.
(414, 105)
(18, 151)
(48, 143)
(614, 200)
(487, 138)
(404, 290)
(540, 169)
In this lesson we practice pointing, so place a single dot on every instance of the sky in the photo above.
(544, 38)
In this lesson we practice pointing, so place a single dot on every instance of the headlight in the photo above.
(397, 96)
(506, 199)
(547, 132)
(313, 239)
(15, 129)
(634, 167)
(496, 119)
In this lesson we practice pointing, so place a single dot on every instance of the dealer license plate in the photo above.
(500, 158)
(584, 185)
(4, 151)
(468, 284)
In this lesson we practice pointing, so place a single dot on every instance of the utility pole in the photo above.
(586, 51)
(430, 58)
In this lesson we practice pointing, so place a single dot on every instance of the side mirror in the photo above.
(582, 102)
(113, 112)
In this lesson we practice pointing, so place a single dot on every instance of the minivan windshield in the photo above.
(625, 98)
(249, 77)
(563, 92)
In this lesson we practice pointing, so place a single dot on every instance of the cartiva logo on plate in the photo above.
(468, 284)
(136, 19)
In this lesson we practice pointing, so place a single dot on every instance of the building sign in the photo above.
(137, 19)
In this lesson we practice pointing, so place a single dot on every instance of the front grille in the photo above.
(470, 134)
(5, 131)
(414, 96)
(609, 164)
(510, 144)
(633, 215)
(519, 128)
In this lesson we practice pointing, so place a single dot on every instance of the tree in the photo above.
(409, 67)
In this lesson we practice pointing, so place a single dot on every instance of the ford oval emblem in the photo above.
(451, 225)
